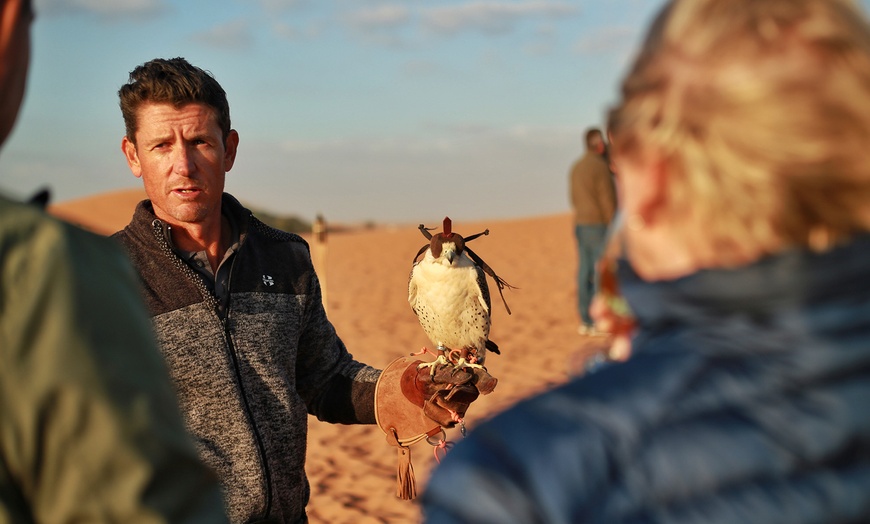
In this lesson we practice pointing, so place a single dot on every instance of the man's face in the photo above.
(15, 19)
(598, 144)
(182, 159)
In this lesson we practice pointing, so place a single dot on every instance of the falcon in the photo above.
(449, 294)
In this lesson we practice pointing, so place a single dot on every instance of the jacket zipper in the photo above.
(228, 331)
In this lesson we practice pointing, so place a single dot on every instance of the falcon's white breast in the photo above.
(451, 301)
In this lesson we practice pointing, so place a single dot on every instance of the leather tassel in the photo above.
(406, 484)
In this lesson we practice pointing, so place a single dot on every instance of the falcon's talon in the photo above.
(462, 363)
(432, 365)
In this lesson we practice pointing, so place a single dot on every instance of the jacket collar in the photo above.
(792, 279)
(144, 218)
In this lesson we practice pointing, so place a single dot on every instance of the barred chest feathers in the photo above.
(449, 302)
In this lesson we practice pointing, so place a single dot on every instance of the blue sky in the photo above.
(397, 111)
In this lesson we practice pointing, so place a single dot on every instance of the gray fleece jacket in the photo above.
(247, 382)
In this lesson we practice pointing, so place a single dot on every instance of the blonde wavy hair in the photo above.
(760, 110)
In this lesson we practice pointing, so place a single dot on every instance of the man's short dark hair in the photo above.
(592, 135)
(172, 81)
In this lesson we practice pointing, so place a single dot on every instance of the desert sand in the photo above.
(104, 213)
(364, 273)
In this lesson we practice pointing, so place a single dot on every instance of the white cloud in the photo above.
(279, 5)
(491, 16)
(388, 178)
(380, 17)
(544, 41)
(400, 24)
(421, 68)
(234, 34)
(109, 9)
(297, 33)
(453, 138)
(607, 40)
(383, 24)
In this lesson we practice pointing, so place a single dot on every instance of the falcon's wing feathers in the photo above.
(420, 252)
(500, 282)
(412, 290)
(484, 288)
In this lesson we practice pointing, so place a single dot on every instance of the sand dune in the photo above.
(104, 213)
(364, 275)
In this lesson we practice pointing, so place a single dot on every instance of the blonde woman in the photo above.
(741, 144)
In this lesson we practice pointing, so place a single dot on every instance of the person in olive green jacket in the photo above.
(90, 430)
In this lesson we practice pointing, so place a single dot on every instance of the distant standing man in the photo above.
(89, 427)
(593, 198)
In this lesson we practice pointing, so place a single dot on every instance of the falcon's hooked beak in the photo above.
(449, 253)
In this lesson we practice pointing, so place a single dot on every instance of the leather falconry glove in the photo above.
(414, 404)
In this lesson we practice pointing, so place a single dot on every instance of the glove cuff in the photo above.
(400, 416)
(399, 405)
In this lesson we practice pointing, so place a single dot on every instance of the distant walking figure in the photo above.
(593, 198)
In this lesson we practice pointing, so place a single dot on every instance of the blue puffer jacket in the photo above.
(747, 400)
